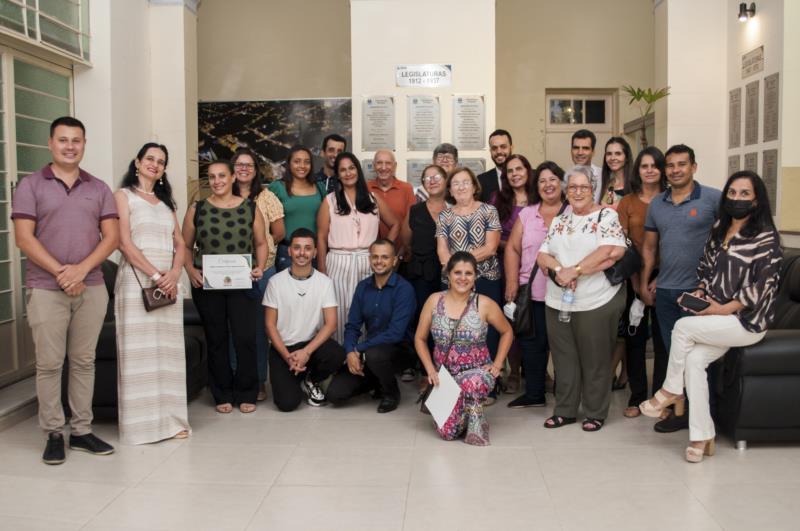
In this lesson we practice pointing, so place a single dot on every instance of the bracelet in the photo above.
(155, 276)
(578, 269)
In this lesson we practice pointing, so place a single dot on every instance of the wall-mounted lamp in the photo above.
(745, 13)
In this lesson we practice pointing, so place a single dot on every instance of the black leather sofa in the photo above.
(759, 387)
(104, 402)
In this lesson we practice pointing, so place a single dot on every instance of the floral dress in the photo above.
(465, 359)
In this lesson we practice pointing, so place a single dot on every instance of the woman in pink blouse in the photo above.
(522, 249)
(347, 223)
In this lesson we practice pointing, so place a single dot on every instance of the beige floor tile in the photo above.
(197, 507)
(480, 506)
(348, 466)
(223, 465)
(66, 501)
(127, 465)
(746, 506)
(620, 506)
(462, 464)
(567, 467)
(331, 508)
(327, 432)
(225, 430)
(36, 524)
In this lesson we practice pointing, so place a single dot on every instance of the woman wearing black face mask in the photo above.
(738, 278)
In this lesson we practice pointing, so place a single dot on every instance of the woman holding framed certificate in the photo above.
(221, 234)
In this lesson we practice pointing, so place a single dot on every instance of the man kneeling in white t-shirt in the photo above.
(300, 319)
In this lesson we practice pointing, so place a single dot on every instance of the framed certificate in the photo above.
(227, 271)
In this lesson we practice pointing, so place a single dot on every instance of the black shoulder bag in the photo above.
(625, 267)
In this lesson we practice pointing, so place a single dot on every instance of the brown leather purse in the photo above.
(154, 298)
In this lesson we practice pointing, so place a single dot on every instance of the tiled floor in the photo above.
(350, 468)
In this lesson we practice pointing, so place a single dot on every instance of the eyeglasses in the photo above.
(574, 188)
(435, 178)
(461, 184)
(244, 165)
(444, 158)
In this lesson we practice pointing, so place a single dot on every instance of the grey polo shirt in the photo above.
(682, 233)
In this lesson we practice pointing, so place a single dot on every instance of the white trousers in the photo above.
(696, 342)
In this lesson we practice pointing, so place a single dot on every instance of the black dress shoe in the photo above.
(525, 401)
(90, 443)
(672, 423)
(387, 404)
(54, 451)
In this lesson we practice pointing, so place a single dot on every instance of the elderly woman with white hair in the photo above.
(582, 307)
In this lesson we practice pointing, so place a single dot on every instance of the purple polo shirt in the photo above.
(67, 221)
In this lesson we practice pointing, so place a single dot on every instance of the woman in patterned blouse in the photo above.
(738, 277)
(579, 247)
(472, 226)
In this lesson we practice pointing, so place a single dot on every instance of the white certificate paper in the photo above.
(227, 271)
(443, 397)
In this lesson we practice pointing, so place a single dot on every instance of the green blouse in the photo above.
(299, 210)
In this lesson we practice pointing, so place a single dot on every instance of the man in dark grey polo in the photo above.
(678, 223)
(66, 223)
(332, 145)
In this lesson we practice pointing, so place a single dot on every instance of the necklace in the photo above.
(141, 191)
(572, 229)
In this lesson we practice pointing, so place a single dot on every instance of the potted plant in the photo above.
(645, 99)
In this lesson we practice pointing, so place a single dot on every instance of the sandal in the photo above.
(590, 424)
(183, 434)
(557, 421)
(247, 408)
(650, 409)
(227, 407)
(631, 412)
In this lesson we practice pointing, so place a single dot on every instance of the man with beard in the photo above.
(384, 304)
(582, 150)
(332, 145)
(500, 147)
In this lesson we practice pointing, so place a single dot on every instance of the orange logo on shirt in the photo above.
(693, 213)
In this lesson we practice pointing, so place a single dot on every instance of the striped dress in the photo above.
(150, 346)
(347, 261)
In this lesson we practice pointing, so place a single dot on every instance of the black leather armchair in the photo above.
(759, 391)
(104, 402)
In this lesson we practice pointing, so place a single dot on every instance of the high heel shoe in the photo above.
(662, 403)
(695, 455)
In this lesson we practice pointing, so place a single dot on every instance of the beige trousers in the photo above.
(66, 325)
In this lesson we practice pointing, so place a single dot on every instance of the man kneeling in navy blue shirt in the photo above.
(384, 304)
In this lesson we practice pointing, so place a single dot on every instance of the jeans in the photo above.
(257, 292)
(494, 290)
(534, 354)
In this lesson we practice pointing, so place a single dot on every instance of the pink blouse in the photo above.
(534, 232)
(353, 231)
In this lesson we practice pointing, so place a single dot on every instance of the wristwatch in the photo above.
(156, 276)
(578, 269)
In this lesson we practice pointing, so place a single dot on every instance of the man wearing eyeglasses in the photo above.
(446, 157)
(500, 148)
(397, 194)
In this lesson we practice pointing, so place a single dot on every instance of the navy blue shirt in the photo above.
(386, 313)
(682, 233)
(328, 183)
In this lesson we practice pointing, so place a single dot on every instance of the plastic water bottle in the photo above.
(567, 299)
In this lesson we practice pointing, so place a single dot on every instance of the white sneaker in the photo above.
(314, 395)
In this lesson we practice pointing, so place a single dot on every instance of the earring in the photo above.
(162, 181)
(137, 173)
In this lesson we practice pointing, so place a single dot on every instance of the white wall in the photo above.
(386, 33)
(696, 73)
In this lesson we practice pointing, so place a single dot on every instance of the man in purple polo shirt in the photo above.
(60, 213)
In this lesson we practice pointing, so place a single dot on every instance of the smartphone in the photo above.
(690, 302)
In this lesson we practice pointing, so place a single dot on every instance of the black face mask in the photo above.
(738, 208)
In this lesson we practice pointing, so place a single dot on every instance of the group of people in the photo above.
(355, 282)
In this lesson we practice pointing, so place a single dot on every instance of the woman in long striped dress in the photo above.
(347, 223)
(151, 357)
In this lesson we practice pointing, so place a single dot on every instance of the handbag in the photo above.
(625, 267)
(522, 323)
(154, 298)
(423, 396)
